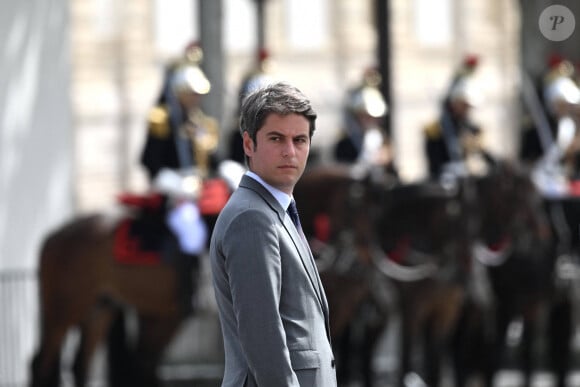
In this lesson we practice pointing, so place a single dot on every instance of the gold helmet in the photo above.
(187, 75)
(367, 98)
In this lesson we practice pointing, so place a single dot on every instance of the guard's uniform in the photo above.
(181, 141)
(362, 140)
(180, 135)
(177, 144)
(450, 141)
(562, 100)
(453, 143)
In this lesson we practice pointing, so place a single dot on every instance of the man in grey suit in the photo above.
(272, 307)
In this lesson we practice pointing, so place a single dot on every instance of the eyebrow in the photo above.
(276, 133)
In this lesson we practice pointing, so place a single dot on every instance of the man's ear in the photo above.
(248, 144)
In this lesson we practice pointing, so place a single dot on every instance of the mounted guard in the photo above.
(562, 98)
(552, 137)
(454, 143)
(180, 135)
(362, 140)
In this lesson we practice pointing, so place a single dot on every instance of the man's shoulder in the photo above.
(244, 204)
(249, 199)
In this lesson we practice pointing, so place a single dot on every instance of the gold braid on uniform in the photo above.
(203, 131)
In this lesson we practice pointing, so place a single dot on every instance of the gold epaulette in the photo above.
(433, 130)
(212, 130)
(211, 124)
(158, 122)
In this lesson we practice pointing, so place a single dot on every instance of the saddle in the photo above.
(145, 238)
(139, 238)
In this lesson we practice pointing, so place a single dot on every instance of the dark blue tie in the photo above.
(293, 212)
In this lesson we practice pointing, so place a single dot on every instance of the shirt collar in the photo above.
(282, 197)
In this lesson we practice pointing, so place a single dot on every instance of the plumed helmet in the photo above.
(468, 65)
(562, 89)
(187, 75)
(258, 77)
(466, 90)
(462, 86)
(254, 82)
(559, 86)
(367, 98)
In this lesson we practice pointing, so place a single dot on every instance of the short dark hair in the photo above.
(278, 98)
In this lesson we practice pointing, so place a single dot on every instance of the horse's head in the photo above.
(330, 189)
(422, 227)
(507, 198)
(336, 205)
(509, 209)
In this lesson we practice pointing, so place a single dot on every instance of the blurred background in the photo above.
(78, 78)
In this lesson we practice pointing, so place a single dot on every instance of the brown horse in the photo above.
(88, 280)
(427, 224)
(380, 244)
(514, 249)
(83, 286)
(336, 206)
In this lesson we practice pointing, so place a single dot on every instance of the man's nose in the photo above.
(289, 148)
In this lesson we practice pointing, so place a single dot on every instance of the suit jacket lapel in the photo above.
(308, 262)
(305, 256)
(303, 249)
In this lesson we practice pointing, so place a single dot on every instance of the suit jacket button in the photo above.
(332, 363)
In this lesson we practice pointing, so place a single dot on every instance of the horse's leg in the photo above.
(497, 347)
(560, 336)
(155, 334)
(405, 348)
(432, 349)
(371, 339)
(343, 352)
(373, 317)
(93, 331)
(121, 356)
(46, 363)
(462, 344)
(439, 331)
(345, 295)
(528, 350)
(470, 343)
(54, 322)
(45, 369)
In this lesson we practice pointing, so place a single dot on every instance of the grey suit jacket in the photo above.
(272, 307)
